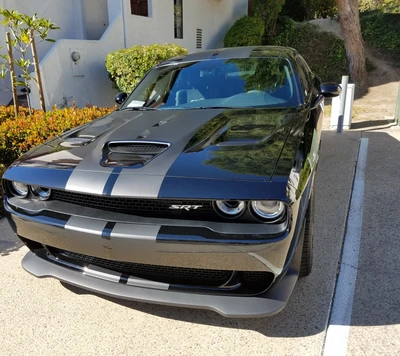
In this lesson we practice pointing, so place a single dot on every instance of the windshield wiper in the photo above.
(212, 107)
(140, 109)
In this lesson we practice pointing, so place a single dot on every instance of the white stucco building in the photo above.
(94, 28)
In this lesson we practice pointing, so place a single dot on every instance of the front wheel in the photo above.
(308, 231)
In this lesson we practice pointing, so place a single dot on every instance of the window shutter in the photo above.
(199, 38)
(140, 7)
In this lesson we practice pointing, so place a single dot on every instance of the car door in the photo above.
(313, 126)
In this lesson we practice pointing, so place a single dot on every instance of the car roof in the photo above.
(236, 52)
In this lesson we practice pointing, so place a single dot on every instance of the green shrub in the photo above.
(128, 66)
(384, 5)
(247, 31)
(295, 9)
(324, 52)
(269, 12)
(302, 10)
(382, 30)
(19, 135)
(320, 8)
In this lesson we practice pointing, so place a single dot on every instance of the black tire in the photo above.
(308, 230)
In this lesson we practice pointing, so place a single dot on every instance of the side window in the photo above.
(304, 72)
(140, 7)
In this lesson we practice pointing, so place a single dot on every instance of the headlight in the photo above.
(270, 210)
(230, 208)
(40, 192)
(20, 190)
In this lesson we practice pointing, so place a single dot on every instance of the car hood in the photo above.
(234, 144)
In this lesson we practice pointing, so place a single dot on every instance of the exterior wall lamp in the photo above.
(76, 56)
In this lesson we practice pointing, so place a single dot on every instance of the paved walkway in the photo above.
(375, 322)
(45, 317)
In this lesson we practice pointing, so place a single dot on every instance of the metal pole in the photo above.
(397, 114)
(12, 72)
(37, 70)
(345, 82)
(123, 22)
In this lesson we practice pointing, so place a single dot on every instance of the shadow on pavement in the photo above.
(9, 242)
(372, 124)
(293, 321)
(6, 247)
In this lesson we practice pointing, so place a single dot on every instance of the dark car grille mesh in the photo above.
(158, 208)
(177, 275)
(138, 148)
(164, 273)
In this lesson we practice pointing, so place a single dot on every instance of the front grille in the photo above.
(167, 274)
(162, 273)
(157, 208)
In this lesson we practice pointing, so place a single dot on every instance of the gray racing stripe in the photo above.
(144, 186)
(102, 273)
(88, 181)
(135, 242)
(147, 181)
(90, 226)
(135, 231)
(89, 176)
(144, 283)
(115, 277)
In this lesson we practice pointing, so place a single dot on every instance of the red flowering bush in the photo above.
(7, 112)
(19, 135)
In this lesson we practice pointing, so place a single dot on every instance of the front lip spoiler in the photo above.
(266, 304)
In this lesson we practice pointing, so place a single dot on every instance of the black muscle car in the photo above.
(196, 192)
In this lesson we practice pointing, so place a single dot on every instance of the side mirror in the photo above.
(330, 90)
(120, 98)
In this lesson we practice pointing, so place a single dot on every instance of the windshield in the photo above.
(225, 83)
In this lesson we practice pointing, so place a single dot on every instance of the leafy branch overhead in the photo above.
(24, 30)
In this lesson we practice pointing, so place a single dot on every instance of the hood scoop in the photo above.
(82, 140)
(134, 154)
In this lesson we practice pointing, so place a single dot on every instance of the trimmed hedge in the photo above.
(382, 30)
(7, 112)
(305, 10)
(323, 51)
(19, 135)
(247, 31)
(128, 66)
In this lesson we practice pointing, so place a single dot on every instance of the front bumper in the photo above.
(166, 242)
(265, 304)
(119, 237)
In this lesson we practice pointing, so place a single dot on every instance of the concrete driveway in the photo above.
(44, 317)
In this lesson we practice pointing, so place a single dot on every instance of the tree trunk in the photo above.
(350, 24)
(12, 73)
(37, 70)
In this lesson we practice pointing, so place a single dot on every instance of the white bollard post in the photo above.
(335, 112)
(397, 113)
(348, 112)
(345, 82)
(337, 107)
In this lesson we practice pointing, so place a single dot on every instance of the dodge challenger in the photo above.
(196, 192)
